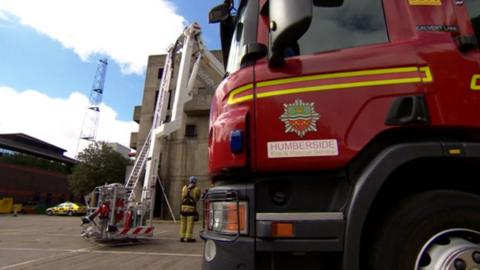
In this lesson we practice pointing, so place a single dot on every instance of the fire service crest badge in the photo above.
(299, 117)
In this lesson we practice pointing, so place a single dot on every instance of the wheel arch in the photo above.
(375, 177)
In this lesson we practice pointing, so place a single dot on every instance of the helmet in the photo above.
(192, 180)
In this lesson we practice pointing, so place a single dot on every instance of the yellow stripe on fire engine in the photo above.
(425, 2)
(338, 75)
(428, 74)
(233, 100)
(336, 86)
(475, 83)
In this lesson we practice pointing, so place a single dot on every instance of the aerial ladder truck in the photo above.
(125, 211)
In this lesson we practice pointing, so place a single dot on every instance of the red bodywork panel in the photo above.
(351, 93)
(224, 119)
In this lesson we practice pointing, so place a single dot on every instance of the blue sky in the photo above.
(50, 55)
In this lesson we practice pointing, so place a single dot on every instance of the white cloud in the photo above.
(57, 121)
(125, 30)
(3, 16)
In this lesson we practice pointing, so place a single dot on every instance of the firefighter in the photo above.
(188, 211)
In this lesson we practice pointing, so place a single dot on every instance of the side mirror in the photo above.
(328, 3)
(219, 13)
(289, 20)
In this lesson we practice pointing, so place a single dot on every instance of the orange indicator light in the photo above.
(282, 230)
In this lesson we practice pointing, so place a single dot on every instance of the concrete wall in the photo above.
(185, 157)
(152, 83)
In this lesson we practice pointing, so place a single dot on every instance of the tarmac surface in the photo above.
(54, 243)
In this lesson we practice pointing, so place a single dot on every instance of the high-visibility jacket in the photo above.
(190, 197)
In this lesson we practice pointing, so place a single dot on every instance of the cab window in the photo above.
(235, 54)
(355, 23)
(244, 32)
(473, 7)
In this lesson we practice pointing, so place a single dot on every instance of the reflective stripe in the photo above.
(299, 216)
(234, 96)
(233, 100)
(338, 75)
(336, 87)
(137, 230)
(425, 2)
(428, 74)
(474, 84)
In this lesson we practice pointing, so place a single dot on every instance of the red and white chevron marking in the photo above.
(137, 231)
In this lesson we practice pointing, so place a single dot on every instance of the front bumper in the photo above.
(238, 254)
(315, 241)
(248, 253)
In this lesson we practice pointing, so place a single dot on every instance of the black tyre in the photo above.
(49, 213)
(431, 230)
(69, 213)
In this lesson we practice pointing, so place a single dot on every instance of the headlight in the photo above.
(210, 250)
(226, 217)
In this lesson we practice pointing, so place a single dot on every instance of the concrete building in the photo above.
(121, 149)
(186, 151)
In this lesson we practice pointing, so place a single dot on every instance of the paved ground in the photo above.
(54, 243)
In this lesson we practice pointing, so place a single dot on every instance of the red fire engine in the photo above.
(346, 135)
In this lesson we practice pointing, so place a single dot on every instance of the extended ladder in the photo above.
(193, 53)
(132, 183)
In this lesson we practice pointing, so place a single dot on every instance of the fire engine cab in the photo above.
(345, 135)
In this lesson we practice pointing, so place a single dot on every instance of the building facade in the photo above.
(33, 171)
(184, 152)
(122, 150)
